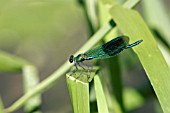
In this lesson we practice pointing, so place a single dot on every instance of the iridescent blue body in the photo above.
(107, 50)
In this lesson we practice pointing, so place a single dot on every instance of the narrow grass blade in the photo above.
(132, 25)
(91, 10)
(11, 63)
(101, 99)
(78, 86)
(114, 71)
(116, 80)
(1, 106)
(131, 3)
(157, 17)
(114, 63)
(30, 80)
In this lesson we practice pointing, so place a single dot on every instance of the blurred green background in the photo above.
(45, 33)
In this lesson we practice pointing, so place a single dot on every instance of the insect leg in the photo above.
(81, 66)
(75, 65)
(89, 69)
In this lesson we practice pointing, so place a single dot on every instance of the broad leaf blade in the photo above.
(132, 25)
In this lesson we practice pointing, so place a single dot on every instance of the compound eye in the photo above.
(71, 58)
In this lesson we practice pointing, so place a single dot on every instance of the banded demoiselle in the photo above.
(107, 50)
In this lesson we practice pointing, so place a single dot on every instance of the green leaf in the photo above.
(160, 26)
(101, 99)
(157, 17)
(116, 80)
(30, 80)
(132, 99)
(1, 106)
(11, 63)
(114, 68)
(78, 86)
(132, 25)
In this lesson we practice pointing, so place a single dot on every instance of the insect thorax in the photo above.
(79, 58)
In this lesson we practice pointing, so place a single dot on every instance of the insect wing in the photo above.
(108, 49)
